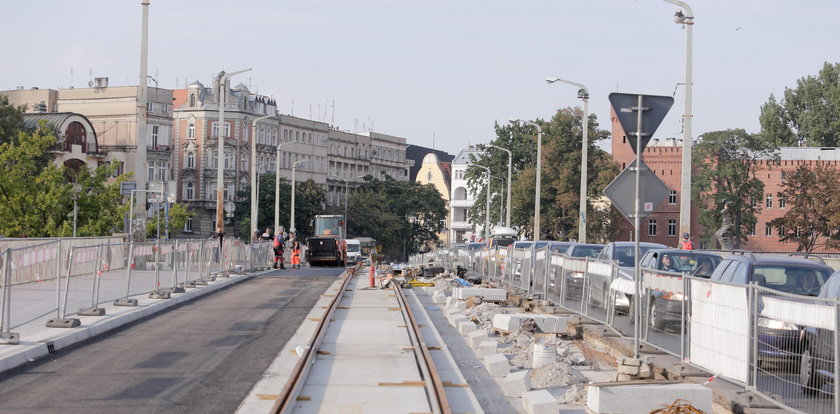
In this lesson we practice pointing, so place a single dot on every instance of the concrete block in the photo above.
(476, 338)
(644, 398)
(456, 317)
(486, 348)
(465, 328)
(497, 365)
(517, 383)
(460, 305)
(506, 322)
(540, 402)
(485, 293)
(449, 301)
(439, 298)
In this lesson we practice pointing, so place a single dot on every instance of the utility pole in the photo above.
(142, 113)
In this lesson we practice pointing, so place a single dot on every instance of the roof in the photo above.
(463, 157)
(54, 119)
(416, 153)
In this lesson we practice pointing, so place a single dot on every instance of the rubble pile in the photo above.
(555, 375)
(483, 313)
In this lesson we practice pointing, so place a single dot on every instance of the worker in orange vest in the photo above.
(686, 243)
(295, 245)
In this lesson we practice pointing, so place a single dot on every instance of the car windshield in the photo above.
(698, 265)
(475, 246)
(624, 254)
(354, 247)
(540, 244)
(800, 280)
(585, 251)
(503, 241)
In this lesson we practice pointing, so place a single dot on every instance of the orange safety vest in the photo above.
(687, 245)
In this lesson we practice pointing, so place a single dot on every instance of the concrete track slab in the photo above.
(363, 399)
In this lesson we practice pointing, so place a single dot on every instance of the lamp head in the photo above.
(551, 80)
(679, 17)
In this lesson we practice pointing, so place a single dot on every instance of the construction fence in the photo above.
(779, 345)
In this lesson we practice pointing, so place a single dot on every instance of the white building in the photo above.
(461, 198)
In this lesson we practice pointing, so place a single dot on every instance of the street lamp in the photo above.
(583, 94)
(686, 18)
(502, 202)
(510, 164)
(76, 190)
(254, 176)
(539, 178)
(292, 224)
(487, 203)
(220, 171)
(277, 188)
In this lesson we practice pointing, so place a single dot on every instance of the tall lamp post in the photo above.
(292, 224)
(220, 171)
(686, 17)
(254, 177)
(487, 202)
(510, 168)
(538, 188)
(277, 187)
(583, 94)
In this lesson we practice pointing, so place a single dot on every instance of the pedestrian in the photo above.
(266, 236)
(279, 245)
(686, 243)
(295, 246)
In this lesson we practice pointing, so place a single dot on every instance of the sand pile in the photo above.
(555, 375)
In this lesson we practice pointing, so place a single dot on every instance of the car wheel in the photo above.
(655, 322)
(808, 379)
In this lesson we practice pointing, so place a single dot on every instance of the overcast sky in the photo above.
(434, 68)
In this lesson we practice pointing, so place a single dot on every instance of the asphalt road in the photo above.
(202, 356)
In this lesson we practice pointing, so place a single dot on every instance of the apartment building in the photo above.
(461, 199)
(349, 163)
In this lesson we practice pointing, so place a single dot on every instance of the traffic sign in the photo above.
(654, 108)
(622, 191)
(127, 186)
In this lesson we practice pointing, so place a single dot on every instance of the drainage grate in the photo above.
(50, 347)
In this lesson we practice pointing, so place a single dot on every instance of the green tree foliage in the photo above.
(11, 119)
(178, 214)
(560, 195)
(725, 167)
(812, 208)
(309, 202)
(401, 216)
(809, 113)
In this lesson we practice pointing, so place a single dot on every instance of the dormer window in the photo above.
(192, 99)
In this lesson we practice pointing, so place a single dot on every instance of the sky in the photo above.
(437, 72)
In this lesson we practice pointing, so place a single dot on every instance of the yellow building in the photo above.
(438, 174)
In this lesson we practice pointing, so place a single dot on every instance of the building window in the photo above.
(150, 106)
(188, 225)
(429, 176)
(752, 229)
(782, 202)
(672, 197)
(191, 131)
(162, 167)
(192, 99)
(768, 230)
(155, 135)
(151, 170)
(652, 227)
(672, 228)
(189, 192)
(75, 135)
(190, 160)
(229, 192)
(214, 159)
(216, 129)
(229, 160)
(768, 200)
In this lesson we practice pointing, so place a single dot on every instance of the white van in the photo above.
(354, 251)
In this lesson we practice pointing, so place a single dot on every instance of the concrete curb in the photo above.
(40, 341)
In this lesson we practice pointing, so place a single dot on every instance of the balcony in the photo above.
(159, 148)
(461, 203)
(460, 225)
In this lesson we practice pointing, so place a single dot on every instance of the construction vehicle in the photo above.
(328, 246)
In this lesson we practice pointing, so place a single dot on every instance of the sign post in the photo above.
(639, 123)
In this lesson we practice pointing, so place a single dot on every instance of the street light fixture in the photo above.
(220, 171)
(537, 190)
(292, 224)
(583, 94)
(487, 202)
(510, 167)
(254, 177)
(686, 17)
(277, 187)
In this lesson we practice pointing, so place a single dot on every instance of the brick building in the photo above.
(664, 158)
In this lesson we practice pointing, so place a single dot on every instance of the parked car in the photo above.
(584, 250)
(666, 307)
(816, 363)
(778, 341)
(554, 246)
(623, 253)
(574, 280)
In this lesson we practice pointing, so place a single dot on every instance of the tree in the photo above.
(402, 216)
(809, 113)
(11, 119)
(725, 170)
(309, 202)
(178, 214)
(810, 196)
(560, 181)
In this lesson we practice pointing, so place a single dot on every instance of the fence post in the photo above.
(175, 288)
(683, 317)
(60, 321)
(125, 300)
(156, 292)
(836, 357)
(752, 294)
(94, 309)
(7, 337)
